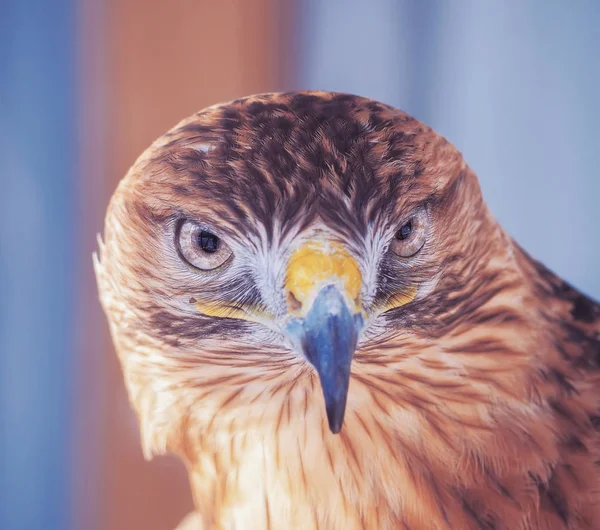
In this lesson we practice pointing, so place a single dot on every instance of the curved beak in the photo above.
(328, 336)
(327, 327)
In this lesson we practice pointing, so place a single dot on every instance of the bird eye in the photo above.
(411, 236)
(200, 248)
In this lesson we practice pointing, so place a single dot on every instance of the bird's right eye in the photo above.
(200, 248)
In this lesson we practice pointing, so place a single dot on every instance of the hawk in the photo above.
(315, 309)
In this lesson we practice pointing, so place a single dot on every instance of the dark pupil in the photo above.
(404, 231)
(208, 242)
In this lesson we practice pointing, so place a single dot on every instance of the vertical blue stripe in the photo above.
(37, 239)
(352, 46)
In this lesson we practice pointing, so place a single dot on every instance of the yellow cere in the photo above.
(319, 262)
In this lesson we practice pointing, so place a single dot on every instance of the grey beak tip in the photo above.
(335, 421)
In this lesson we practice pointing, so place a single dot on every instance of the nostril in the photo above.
(293, 302)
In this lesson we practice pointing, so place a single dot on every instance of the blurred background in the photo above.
(86, 85)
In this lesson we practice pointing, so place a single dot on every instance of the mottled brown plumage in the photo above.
(474, 390)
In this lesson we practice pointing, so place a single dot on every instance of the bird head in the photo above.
(281, 238)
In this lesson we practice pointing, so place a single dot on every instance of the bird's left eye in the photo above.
(411, 235)
(201, 248)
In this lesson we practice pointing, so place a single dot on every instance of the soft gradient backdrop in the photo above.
(86, 85)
